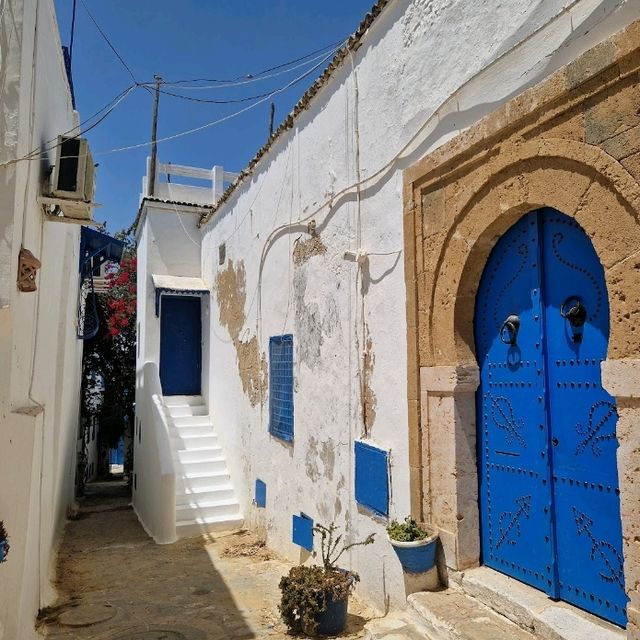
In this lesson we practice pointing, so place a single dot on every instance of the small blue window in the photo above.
(372, 478)
(303, 531)
(261, 493)
(281, 387)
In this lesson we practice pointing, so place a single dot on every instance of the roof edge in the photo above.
(352, 44)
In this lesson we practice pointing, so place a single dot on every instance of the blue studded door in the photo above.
(549, 500)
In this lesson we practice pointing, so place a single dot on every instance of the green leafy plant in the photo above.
(308, 591)
(407, 531)
(4, 537)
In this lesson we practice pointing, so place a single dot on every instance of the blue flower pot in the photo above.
(333, 620)
(417, 556)
(2, 545)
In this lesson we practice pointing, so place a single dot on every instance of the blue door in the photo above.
(180, 345)
(549, 499)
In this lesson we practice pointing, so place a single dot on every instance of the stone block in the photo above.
(613, 112)
(591, 63)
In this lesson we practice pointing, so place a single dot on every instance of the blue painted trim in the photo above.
(372, 478)
(160, 291)
(281, 387)
(261, 493)
(302, 533)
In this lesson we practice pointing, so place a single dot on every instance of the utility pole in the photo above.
(271, 116)
(154, 137)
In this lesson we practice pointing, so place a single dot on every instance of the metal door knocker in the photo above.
(575, 312)
(509, 330)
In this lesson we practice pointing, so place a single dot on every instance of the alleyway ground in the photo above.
(115, 583)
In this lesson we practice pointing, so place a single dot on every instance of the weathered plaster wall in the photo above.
(570, 143)
(40, 377)
(425, 71)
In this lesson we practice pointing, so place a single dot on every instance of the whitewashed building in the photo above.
(39, 279)
(312, 323)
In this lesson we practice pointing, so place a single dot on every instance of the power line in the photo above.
(106, 39)
(252, 77)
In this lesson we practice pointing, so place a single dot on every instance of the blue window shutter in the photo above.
(303, 531)
(261, 493)
(372, 478)
(281, 387)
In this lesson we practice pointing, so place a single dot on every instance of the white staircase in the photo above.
(205, 499)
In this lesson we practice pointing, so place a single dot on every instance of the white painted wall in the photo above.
(426, 70)
(168, 243)
(40, 354)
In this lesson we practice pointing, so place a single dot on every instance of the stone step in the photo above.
(206, 495)
(184, 410)
(191, 431)
(201, 526)
(220, 509)
(186, 456)
(188, 443)
(172, 401)
(533, 609)
(453, 615)
(203, 481)
(202, 467)
(394, 626)
(192, 421)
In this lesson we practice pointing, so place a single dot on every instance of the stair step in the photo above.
(172, 401)
(185, 410)
(453, 615)
(210, 494)
(186, 456)
(203, 481)
(200, 526)
(394, 626)
(203, 467)
(192, 421)
(533, 609)
(191, 431)
(229, 508)
(189, 443)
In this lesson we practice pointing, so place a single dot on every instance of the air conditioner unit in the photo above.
(72, 180)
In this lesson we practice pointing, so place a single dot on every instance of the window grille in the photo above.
(281, 387)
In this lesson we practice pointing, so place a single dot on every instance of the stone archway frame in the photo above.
(458, 202)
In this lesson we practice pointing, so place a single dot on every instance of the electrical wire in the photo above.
(248, 80)
(253, 77)
(106, 39)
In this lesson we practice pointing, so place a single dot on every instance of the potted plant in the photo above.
(315, 598)
(414, 545)
(4, 542)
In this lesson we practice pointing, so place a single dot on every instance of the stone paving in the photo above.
(115, 583)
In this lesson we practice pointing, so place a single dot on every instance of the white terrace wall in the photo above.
(426, 70)
(39, 352)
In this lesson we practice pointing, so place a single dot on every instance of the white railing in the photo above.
(154, 498)
(167, 188)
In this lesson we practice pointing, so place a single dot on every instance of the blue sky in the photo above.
(217, 39)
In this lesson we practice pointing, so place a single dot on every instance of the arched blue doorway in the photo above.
(548, 481)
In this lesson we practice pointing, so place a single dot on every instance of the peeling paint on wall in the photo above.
(252, 363)
(304, 250)
(369, 400)
(312, 325)
(324, 452)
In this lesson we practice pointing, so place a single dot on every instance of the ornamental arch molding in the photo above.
(545, 148)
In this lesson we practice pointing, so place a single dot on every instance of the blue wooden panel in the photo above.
(261, 493)
(180, 346)
(372, 478)
(303, 531)
(584, 416)
(549, 505)
(281, 387)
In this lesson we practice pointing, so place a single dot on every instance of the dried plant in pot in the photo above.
(315, 598)
(4, 542)
(415, 545)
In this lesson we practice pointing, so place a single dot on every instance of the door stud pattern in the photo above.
(548, 481)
